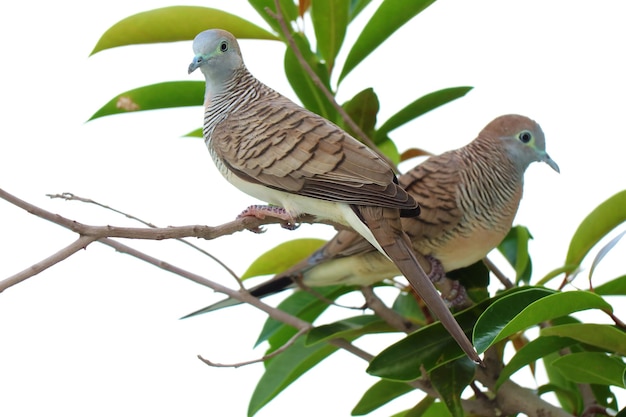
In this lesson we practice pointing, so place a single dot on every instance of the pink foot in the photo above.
(452, 291)
(261, 212)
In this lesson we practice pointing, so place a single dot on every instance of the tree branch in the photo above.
(66, 252)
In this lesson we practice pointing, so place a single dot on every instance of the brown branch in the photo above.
(511, 398)
(66, 252)
(392, 318)
(319, 84)
(73, 197)
(496, 271)
(276, 352)
(159, 233)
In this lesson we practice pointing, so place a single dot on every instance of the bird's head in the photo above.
(522, 139)
(217, 55)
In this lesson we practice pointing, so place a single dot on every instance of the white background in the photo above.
(99, 334)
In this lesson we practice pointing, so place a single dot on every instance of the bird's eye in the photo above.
(224, 46)
(525, 136)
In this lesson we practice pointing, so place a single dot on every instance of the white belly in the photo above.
(296, 205)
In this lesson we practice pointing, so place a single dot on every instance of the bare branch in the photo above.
(319, 84)
(501, 277)
(66, 252)
(159, 233)
(73, 197)
(392, 318)
(276, 352)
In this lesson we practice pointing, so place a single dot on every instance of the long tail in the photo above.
(387, 229)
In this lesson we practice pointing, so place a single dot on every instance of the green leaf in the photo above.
(570, 399)
(604, 218)
(356, 6)
(406, 305)
(597, 368)
(197, 133)
(362, 109)
(420, 106)
(380, 394)
(303, 305)
(176, 23)
(285, 368)
(346, 328)
(514, 247)
(526, 308)
(155, 96)
(616, 286)
(430, 347)
(283, 256)
(450, 380)
(606, 337)
(330, 20)
(388, 147)
(309, 94)
(390, 16)
(532, 352)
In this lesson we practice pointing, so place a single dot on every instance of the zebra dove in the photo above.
(278, 152)
(468, 199)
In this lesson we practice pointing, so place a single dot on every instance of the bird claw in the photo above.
(262, 211)
(452, 292)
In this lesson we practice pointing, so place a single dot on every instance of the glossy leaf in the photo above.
(380, 394)
(155, 96)
(301, 304)
(330, 20)
(281, 257)
(309, 94)
(532, 352)
(604, 218)
(450, 380)
(175, 23)
(527, 308)
(406, 305)
(362, 109)
(389, 17)
(605, 337)
(421, 106)
(570, 399)
(616, 286)
(430, 347)
(592, 368)
(285, 368)
(346, 328)
(514, 247)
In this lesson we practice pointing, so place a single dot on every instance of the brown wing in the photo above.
(278, 144)
(434, 184)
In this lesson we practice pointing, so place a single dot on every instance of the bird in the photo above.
(468, 199)
(274, 150)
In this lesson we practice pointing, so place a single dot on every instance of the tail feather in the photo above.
(387, 229)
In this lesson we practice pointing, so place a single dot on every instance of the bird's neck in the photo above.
(224, 97)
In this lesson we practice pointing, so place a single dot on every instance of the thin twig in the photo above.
(73, 197)
(501, 277)
(66, 252)
(316, 80)
(276, 352)
(392, 318)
